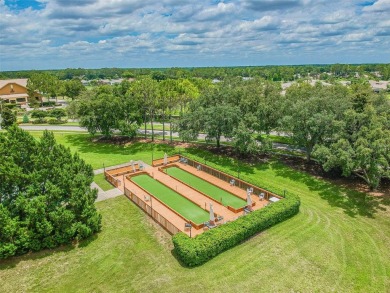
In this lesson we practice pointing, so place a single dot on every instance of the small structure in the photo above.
(261, 196)
(212, 217)
(274, 199)
(249, 200)
(165, 159)
(132, 165)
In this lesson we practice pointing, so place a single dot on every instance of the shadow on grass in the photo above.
(352, 202)
(233, 166)
(13, 261)
(84, 144)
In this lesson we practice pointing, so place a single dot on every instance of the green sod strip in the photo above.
(175, 201)
(211, 190)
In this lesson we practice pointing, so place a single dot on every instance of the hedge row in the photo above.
(200, 249)
(49, 121)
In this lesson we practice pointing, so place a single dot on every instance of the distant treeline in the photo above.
(272, 73)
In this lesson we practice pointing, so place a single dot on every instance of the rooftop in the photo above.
(20, 81)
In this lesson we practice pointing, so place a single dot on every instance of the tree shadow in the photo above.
(230, 164)
(13, 261)
(351, 201)
(84, 144)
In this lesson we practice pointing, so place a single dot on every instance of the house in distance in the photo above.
(15, 91)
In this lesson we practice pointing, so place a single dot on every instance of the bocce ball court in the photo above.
(184, 195)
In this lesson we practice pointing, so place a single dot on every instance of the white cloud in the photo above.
(73, 33)
(379, 6)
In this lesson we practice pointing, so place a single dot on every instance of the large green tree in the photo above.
(73, 88)
(146, 90)
(312, 113)
(102, 110)
(362, 147)
(8, 118)
(45, 194)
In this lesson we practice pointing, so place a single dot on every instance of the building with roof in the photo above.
(15, 91)
(379, 86)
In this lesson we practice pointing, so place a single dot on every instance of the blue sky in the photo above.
(45, 34)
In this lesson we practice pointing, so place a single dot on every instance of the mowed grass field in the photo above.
(174, 200)
(98, 154)
(207, 188)
(339, 242)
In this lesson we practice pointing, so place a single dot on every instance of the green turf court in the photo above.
(174, 200)
(207, 188)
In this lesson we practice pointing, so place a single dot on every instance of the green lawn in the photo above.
(98, 154)
(339, 242)
(100, 180)
(175, 201)
(207, 188)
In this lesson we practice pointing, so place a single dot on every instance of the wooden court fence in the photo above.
(167, 225)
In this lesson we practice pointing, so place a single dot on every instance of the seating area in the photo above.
(261, 196)
(247, 210)
(183, 160)
(209, 225)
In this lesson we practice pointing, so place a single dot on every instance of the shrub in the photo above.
(39, 114)
(11, 105)
(57, 113)
(55, 121)
(198, 250)
(39, 121)
(25, 118)
(48, 104)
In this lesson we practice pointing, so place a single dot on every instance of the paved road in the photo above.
(53, 128)
(276, 145)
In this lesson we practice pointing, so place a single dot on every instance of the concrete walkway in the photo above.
(114, 192)
(103, 195)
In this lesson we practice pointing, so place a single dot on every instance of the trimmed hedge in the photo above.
(56, 121)
(198, 250)
(39, 121)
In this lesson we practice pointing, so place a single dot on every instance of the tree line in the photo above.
(274, 73)
(343, 128)
(346, 129)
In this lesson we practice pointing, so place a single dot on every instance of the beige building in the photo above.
(15, 91)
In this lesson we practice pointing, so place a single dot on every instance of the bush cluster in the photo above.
(48, 104)
(39, 121)
(198, 250)
(56, 121)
